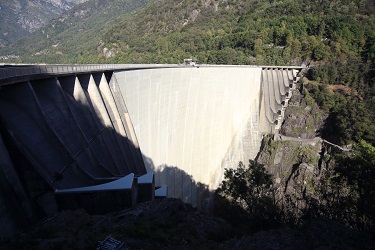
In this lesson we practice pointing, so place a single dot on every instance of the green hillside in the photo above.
(246, 32)
(222, 32)
(67, 38)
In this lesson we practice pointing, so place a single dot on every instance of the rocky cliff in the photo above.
(297, 157)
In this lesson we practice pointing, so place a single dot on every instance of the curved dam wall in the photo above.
(191, 123)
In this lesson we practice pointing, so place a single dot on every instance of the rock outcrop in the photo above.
(304, 119)
(296, 156)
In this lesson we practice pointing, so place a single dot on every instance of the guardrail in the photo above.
(12, 72)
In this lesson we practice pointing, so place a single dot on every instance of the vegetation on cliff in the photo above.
(310, 177)
(341, 192)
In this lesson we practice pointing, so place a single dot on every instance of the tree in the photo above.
(357, 172)
(251, 188)
(319, 52)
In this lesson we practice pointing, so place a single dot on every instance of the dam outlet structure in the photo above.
(103, 137)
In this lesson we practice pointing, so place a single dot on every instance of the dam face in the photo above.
(66, 127)
(192, 123)
(186, 121)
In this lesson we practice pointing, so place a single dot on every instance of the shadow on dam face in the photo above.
(73, 131)
(66, 132)
(182, 185)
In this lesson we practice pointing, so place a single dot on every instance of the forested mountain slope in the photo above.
(223, 32)
(70, 35)
(246, 32)
(19, 18)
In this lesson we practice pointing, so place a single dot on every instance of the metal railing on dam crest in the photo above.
(18, 72)
(72, 126)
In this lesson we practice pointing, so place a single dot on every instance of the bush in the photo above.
(251, 188)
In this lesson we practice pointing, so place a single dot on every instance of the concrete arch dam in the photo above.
(191, 123)
(74, 126)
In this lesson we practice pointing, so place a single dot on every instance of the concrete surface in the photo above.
(191, 123)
